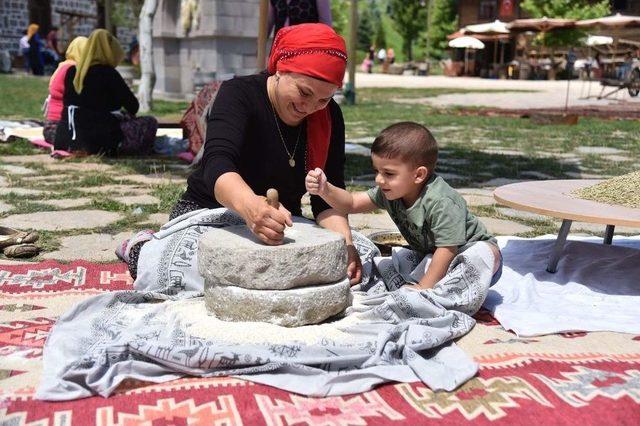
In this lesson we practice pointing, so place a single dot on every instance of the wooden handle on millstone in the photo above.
(272, 198)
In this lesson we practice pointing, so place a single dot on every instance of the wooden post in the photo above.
(350, 88)
(262, 35)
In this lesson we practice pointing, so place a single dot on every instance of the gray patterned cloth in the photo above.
(151, 333)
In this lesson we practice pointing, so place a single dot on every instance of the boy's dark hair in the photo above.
(408, 141)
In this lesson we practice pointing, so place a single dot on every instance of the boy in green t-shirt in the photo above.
(431, 215)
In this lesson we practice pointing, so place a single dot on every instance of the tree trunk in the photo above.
(148, 74)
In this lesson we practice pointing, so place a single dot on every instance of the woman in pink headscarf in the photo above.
(266, 131)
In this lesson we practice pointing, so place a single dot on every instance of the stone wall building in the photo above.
(73, 17)
(196, 41)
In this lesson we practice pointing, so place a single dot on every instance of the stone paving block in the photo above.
(114, 189)
(598, 150)
(47, 179)
(16, 170)
(372, 221)
(91, 247)
(3, 181)
(310, 255)
(4, 207)
(20, 191)
(157, 218)
(536, 175)
(476, 191)
(288, 308)
(61, 220)
(478, 200)
(597, 228)
(501, 181)
(80, 167)
(38, 158)
(138, 199)
(155, 179)
(504, 227)
(520, 214)
(66, 203)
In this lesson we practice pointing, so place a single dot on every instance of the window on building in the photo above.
(620, 5)
(488, 9)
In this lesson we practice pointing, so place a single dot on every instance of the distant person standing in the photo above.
(36, 61)
(24, 49)
(283, 13)
(391, 55)
(52, 43)
(382, 55)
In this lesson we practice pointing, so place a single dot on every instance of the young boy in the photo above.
(431, 215)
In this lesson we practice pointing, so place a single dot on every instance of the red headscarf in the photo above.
(317, 51)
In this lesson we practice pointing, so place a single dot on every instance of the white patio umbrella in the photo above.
(594, 40)
(466, 42)
(616, 21)
(496, 26)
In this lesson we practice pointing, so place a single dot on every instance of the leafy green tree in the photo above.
(380, 35)
(340, 16)
(443, 21)
(365, 29)
(569, 9)
(410, 19)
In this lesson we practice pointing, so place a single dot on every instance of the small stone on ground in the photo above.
(61, 220)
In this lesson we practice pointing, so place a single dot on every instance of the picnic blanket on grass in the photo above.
(584, 377)
(162, 332)
(596, 287)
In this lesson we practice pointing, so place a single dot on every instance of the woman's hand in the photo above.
(354, 266)
(266, 222)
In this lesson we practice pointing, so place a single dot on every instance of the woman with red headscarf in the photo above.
(266, 131)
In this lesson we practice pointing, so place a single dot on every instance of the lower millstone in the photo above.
(310, 255)
(289, 308)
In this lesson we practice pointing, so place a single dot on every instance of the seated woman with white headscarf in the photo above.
(99, 108)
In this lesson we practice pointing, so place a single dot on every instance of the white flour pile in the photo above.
(198, 323)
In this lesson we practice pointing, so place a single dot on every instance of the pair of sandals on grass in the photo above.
(15, 243)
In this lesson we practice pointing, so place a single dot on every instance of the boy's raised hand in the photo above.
(316, 182)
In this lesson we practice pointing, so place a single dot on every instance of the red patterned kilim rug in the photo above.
(574, 378)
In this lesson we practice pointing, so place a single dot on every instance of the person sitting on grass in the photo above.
(431, 215)
(55, 101)
(99, 108)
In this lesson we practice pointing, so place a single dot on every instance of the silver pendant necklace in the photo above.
(292, 161)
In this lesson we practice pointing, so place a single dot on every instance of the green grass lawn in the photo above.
(23, 95)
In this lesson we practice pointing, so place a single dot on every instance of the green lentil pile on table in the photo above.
(621, 190)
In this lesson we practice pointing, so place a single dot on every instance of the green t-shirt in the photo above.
(438, 218)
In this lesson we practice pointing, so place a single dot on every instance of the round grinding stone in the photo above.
(288, 308)
(310, 255)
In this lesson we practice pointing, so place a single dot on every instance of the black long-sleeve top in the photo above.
(242, 137)
(97, 130)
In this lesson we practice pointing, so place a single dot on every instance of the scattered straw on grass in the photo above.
(622, 190)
